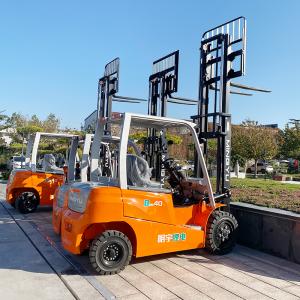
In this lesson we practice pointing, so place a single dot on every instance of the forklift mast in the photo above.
(162, 84)
(108, 87)
(222, 58)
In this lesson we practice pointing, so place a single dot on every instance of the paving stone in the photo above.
(145, 284)
(264, 271)
(198, 282)
(117, 285)
(247, 289)
(250, 278)
(174, 285)
(138, 296)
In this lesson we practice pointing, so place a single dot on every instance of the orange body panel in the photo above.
(104, 205)
(44, 184)
(56, 214)
(59, 205)
(149, 219)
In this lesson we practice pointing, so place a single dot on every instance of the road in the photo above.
(33, 265)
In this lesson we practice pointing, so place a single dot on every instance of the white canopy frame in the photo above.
(33, 146)
(127, 120)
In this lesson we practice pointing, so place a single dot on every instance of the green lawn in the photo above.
(266, 192)
(295, 175)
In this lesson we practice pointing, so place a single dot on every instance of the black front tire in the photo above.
(221, 232)
(26, 202)
(110, 252)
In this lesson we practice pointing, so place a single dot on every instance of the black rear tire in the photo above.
(221, 232)
(110, 252)
(26, 202)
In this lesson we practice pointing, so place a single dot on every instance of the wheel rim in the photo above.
(224, 233)
(29, 201)
(111, 254)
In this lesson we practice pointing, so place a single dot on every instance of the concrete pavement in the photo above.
(24, 274)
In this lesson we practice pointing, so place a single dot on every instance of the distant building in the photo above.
(90, 121)
(5, 135)
(274, 126)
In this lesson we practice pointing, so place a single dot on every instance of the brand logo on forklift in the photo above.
(147, 203)
(227, 160)
(171, 237)
(50, 180)
(106, 163)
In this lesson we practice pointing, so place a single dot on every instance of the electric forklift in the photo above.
(36, 184)
(116, 218)
(151, 206)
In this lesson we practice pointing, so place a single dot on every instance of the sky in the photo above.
(53, 53)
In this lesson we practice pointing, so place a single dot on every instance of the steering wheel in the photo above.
(169, 162)
(175, 175)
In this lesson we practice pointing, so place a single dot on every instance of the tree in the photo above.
(35, 121)
(140, 138)
(21, 126)
(24, 133)
(3, 121)
(3, 125)
(290, 146)
(51, 124)
(24, 126)
(238, 144)
(17, 120)
(29, 129)
(212, 146)
(253, 141)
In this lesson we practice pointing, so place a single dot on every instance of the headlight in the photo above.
(78, 199)
(61, 196)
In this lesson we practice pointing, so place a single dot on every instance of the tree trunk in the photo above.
(255, 169)
(237, 169)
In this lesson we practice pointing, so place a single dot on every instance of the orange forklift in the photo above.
(130, 214)
(36, 184)
(149, 205)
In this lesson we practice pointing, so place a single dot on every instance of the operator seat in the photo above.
(49, 164)
(139, 173)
